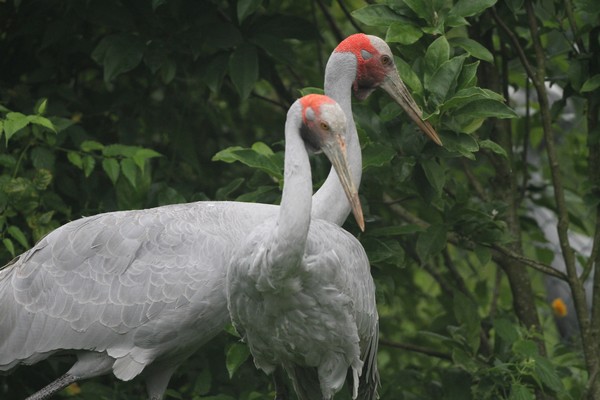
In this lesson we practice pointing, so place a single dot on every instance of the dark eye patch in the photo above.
(312, 140)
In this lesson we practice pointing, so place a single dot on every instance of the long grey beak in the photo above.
(394, 86)
(335, 150)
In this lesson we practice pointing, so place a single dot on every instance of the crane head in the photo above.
(376, 68)
(324, 126)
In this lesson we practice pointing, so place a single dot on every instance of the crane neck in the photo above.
(296, 202)
(329, 202)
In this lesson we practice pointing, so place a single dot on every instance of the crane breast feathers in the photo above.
(118, 268)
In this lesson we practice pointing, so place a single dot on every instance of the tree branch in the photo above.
(499, 252)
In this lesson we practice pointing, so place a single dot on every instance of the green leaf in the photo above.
(141, 155)
(514, 5)
(488, 108)
(591, 84)
(88, 163)
(506, 330)
(435, 173)
(443, 81)
(465, 145)
(377, 155)
(224, 192)
(431, 241)
(42, 179)
(246, 7)
(9, 161)
(90, 145)
(169, 195)
(468, 95)
(115, 150)
(311, 90)
(377, 15)
(9, 246)
(408, 76)
(42, 121)
(18, 235)
(262, 148)
(119, 53)
(215, 71)
(483, 254)
(525, 348)
(228, 155)
(14, 122)
(40, 109)
(75, 159)
(384, 251)
(492, 146)
(129, 170)
(466, 313)
(546, 373)
(112, 169)
(468, 76)
(237, 354)
(243, 69)
(437, 53)
(473, 48)
(520, 392)
(403, 33)
(469, 8)
(251, 158)
(168, 71)
(423, 9)
(42, 157)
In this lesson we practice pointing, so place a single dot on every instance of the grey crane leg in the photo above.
(281, 392)
(157, 381)
(51, 389)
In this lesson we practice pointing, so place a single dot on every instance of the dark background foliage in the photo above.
(109, 105)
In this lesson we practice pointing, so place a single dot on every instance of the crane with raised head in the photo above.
(299, 290)
(140, 290)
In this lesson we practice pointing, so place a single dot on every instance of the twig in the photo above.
(573, 24)
(416, 348)
(473, 181)
(348, 15)
(337, 33)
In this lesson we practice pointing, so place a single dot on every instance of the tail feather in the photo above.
(306, 382)
(369, 380)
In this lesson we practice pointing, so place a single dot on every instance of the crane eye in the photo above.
(386, 60)
(324, 126)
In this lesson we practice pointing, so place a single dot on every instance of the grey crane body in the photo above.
(132, 287)
(300, 290)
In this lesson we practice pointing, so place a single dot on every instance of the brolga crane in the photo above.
(299, 290)
(141, 290)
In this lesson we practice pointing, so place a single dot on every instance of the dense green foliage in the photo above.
(120, 104)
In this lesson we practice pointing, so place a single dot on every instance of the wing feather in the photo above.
(111, 281)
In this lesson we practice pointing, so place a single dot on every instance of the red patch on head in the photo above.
(368, 71)
(354, 44)
(314, 101)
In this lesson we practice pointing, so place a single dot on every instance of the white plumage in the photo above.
(300, 290)
(141, 290)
